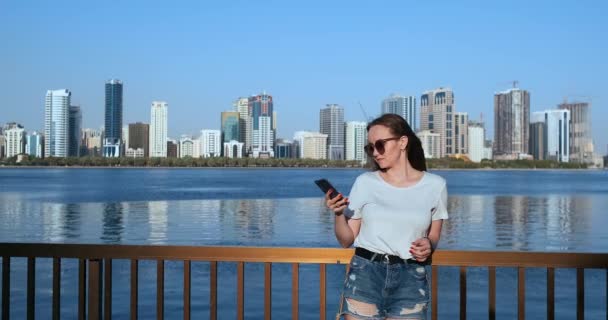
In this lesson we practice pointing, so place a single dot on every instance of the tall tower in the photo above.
(56, 122)
(436, 116)
(331, 123)
(75, 131)
(403, 106)
(581, 143)
(158, 129)
(261, 110)
(113, 119)
(511, 123)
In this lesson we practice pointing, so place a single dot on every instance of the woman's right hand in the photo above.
(337, 204)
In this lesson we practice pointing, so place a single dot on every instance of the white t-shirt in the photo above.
(394, 217)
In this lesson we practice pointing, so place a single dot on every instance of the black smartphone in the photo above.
(325, 186)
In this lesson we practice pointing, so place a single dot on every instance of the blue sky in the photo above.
(200, 56)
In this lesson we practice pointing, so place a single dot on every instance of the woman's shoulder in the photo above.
(434, 179)
(366, 176)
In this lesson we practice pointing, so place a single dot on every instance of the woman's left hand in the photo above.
(421, 249)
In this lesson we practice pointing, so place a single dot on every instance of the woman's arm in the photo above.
(346, 229)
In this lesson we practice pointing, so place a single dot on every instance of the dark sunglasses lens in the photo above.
(369, 149)
(379, 146)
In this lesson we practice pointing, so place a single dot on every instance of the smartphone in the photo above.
(325, 186)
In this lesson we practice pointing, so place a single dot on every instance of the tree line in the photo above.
(188, 162)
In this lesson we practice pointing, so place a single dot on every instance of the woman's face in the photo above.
(382, 139)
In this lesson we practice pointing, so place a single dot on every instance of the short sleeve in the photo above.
(356, 200)
(440, 210)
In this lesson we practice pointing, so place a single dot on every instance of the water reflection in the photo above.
(112, 222)
(248, 220)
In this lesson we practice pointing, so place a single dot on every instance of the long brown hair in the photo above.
(399, 127)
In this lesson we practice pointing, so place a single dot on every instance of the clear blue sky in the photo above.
(199, 56)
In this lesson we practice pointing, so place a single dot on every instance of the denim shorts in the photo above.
(399, 290)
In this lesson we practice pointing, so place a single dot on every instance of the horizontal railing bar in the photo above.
(519, 259)
(149, 252)
(297, 255)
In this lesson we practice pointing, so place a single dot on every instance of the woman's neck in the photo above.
(403, 174)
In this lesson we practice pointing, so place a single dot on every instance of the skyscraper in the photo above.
(56, 122)
(511, 123)
(230, 126)
(581, 144)
(436, 111)
(356, 138)
(476, 139)
(331, 123)
(158, 129)
(557, 124)
(15, 141)
(538, 140)
(34, 145)
(404, 106)
(261, 114)
(241, 105)
(139, 137)
(113, 119)
(75, 131)
(461, 133)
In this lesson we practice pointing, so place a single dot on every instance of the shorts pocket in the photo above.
(357, 263)
(417, 271)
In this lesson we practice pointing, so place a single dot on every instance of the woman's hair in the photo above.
(399, 127)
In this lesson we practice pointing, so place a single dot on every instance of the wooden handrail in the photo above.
(99, 260)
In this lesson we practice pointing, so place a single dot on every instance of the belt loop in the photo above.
(387, 259)
(373, 257)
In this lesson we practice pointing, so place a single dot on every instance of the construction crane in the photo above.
(367, 118)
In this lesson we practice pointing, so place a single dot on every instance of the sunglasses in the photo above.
(378, 145)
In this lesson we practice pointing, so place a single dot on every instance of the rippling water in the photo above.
(562, 211)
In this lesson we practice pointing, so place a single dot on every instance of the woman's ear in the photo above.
(403, 142)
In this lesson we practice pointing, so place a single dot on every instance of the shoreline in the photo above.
(7, 167)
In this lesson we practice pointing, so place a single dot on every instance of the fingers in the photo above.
(337, 204)
(421, 249)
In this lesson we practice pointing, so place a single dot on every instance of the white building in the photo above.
(356, 138)
(312, 145)
(158, 130)
(263, 138)
(56, 122)
(211, 143)
(33, 145)
(186, 147)
(196, 148)
(233, 149)
(241, 105)
(476, 141)
(431, 144)
(558, 133)
(134, 153)
(15, 141)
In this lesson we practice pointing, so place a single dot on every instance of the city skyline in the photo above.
(359, 63)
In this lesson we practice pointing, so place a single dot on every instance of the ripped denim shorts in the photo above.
(379, 288)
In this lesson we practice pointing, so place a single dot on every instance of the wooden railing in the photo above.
(95, 271)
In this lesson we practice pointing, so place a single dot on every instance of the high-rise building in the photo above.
(125, 136)
(261, 113)
(158, 129)
(431, 143)
(211, 143)
(436, 112)
(113, 119)
(186, 147)
(241, 105)
(56, 123)
(558, 133)
(331, 123)
(34, 145)
(511, 123)
(139, 137)
(477, 140)
(405, 106)
(356, 138)
(2, 145)
(538, 140)
(581, 143)
(75, 131)
(15, 141)
(283, 149)
(461, 133)
(312, 145)
(91, 139)
(172, 148)
(230, 126)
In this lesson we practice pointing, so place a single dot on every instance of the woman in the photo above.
(396, 213)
